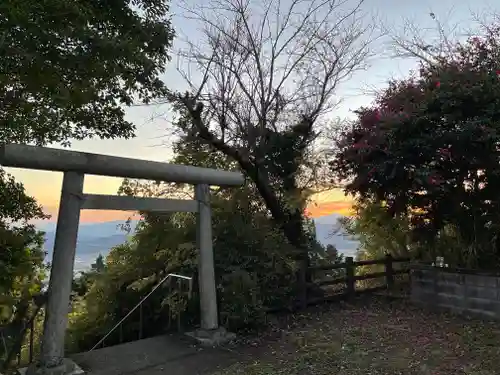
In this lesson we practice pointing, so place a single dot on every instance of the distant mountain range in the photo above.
(329, 232)
(93, 239)
(99, 238)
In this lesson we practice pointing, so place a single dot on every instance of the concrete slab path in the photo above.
(172, 354)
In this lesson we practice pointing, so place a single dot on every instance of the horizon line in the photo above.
(38, 222)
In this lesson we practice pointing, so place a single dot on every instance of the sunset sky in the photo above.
(152, 122)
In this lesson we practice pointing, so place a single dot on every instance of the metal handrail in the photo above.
(190, 279)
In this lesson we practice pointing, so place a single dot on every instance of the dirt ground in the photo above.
(370, 336)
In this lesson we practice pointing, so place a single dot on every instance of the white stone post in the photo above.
(61, 273)
(206, 273)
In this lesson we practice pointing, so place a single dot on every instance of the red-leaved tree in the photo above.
(429, 146)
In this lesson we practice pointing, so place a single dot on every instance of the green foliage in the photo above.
(253, 263)
(84, 281)
(380, 233)
(251, 251)
(21, 209)
(70, 66)
(377, 232)
(275, 168)
(428, 149)
(99, 265)
(21, 266)
(21, 246)
(21, 260)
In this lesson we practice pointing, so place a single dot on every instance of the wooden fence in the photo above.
(347, 282)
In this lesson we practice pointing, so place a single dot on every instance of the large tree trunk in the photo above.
(291, 223)
(290, 220)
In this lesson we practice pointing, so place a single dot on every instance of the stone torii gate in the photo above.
(75, 165)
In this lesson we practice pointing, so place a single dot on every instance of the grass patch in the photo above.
(374, 337)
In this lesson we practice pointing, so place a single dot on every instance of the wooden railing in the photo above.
(349, 277)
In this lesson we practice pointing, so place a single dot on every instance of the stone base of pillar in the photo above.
(211, 337)
(67, 367)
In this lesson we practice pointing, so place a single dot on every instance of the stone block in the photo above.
(420, 274)
(416, 274)
(423, 296)
(454, 289)
(451, 300)
(481, 280)
(449, 278)
(424, 283)
(67, 367)
(481, 304)
(451, 308)
(481, 314)
(466, 294)
(473, 291)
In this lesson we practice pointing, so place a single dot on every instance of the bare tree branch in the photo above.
(428, 45)
(264, 65)
(261, 81)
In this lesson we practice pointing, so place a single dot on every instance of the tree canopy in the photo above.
(429, 145)
(377, 232)
(21, 245)
(68, 67)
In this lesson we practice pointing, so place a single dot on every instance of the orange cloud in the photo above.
(92, 216)
(98, 216)
(322, 204)
(327, 208)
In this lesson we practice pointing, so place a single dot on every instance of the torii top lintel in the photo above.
(59, 160)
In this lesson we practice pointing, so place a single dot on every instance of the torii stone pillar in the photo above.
(61, 275)
(210, 334)
(206, 273)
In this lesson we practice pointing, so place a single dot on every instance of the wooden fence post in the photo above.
(389, 271)
(349, 274)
